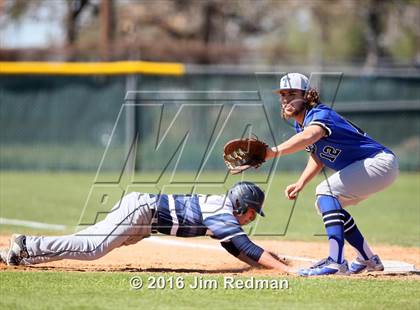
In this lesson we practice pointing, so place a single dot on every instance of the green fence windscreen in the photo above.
(61, 123)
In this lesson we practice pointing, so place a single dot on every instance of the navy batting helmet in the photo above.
(245, 195)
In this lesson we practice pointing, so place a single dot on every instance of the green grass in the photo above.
(59, 290)
(389, 217)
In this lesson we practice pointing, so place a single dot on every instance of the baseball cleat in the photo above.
(372, 264)
(320, 263)
(325, 267)
(17, 250)
(3, 256)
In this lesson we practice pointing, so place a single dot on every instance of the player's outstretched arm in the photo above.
(245, 250)
(296, 143)
(233, 250)
(268, 261)
(247, 260)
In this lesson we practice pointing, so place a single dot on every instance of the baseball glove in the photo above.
(242, 154)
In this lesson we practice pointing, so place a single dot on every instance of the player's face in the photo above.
(292, 103)
(247, 218)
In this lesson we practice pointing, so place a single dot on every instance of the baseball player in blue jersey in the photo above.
(137, 216)
(362, 165)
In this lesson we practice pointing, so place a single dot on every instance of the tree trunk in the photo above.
(75, 7)
(208, 28)
(107, 28)
(374, 28)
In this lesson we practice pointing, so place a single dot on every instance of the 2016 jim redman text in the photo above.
(201, 283)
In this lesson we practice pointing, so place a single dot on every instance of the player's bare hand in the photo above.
(292, 190)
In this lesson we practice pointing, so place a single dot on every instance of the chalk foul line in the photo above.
(31, 224)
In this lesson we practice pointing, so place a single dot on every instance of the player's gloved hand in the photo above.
(292, 190)
(242, 154)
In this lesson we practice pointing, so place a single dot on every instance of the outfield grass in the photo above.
(59, 290)
(389, 217)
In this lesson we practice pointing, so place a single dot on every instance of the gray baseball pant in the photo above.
(128, 222)
(361, 179)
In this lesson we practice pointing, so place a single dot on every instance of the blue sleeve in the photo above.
(321, 117)
(224, 226)
(230, 247)
(250, 249)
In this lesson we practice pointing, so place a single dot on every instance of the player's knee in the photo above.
(323, 189)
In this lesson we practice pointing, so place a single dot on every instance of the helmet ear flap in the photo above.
(239, 209)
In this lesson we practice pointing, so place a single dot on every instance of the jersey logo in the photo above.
(330, 153)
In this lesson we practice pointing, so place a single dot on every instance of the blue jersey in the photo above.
(343, 144)
(196, 215)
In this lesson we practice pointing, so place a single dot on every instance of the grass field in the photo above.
(53, 290)
(390, 217)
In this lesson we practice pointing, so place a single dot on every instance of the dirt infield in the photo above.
(167, 254)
